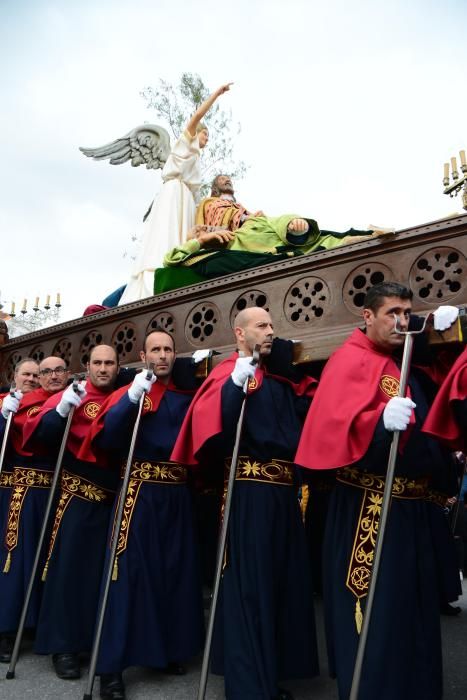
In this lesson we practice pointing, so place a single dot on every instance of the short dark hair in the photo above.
(215, 191)
(158, 329)
(374, 298)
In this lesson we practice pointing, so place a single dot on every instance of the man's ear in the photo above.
(368, 316)
(142, 356)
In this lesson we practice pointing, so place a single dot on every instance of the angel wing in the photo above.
(149, 144)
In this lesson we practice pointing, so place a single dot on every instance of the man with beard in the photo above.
(154, 613)
(265, 629)
(76, 551)
(350, 427)
(31, 480)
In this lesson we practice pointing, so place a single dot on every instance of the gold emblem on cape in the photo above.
(91, 409)
(389, 385)
(252, 384)
(33, 410)
(1, 402)
(147, 405)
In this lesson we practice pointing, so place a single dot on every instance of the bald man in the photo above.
(32, 477)
(265, 628)
(76, 550)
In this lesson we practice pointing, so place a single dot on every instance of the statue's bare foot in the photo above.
(380, 231)
(298, 226)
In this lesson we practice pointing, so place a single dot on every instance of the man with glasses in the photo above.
(76, 551)
(31, 480)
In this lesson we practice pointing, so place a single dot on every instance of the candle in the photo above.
(12, 312)
(25, 303)
(454, 165)
(57, 303)
(36, 304)
(47, 301)
(462, 155)
(446, 170)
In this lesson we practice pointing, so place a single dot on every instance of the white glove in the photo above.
(200, 355)
(444, 317)
(11, 403)
(140, 385)
(70, 398)
(396, 415)
(242, 371)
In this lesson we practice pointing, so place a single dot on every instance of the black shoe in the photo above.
(7, 643)
(66, 666)
(284, 695)
(450, 610)
(112, 687)
(173, 668)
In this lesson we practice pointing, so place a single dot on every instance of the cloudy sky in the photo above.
(348, 111)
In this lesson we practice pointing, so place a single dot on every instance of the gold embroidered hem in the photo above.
(6, 479)
(361, 561)
(167, 473)
(277, 471)
(73, 485)
(23, 480)
(433, 496)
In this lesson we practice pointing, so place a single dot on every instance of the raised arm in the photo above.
(204, 108)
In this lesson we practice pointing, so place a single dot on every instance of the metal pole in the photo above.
(386, 504)
(223, 540)
(53, 488)
(7, 430)
(113, 548)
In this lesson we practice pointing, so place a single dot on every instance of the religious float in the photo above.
(315, 299)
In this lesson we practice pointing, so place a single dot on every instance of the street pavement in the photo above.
(36, 679)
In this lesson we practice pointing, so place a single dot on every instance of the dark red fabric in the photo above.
(348, 404)
(83, 419)
(30, 405)
(94, 309)
(441, 421)
(204, 417)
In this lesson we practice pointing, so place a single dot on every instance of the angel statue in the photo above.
(173, 213)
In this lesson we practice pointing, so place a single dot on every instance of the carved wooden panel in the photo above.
(63, 349)
(37, 353)
(201, 324)
(307, 300)
(252, 297)
(438, 275)
(89, 341)
(360, 280)
(124, 341)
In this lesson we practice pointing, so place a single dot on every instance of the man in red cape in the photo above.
(349, 427)
(31, 479)
(76, 550)
(154, 614)
(264, 627)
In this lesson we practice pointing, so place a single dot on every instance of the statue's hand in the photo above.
(223, 88)
(215, 239)
(298, 226)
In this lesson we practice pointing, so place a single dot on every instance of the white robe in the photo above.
(171, 217)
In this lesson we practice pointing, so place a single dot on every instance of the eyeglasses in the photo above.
(59, 371)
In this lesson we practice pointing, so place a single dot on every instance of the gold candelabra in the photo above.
(28, 319)
(458, 183)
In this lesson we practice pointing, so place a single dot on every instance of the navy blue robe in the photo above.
(265, 628)
(155, 610)
(403, 653)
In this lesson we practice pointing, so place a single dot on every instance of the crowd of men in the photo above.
(294, 427)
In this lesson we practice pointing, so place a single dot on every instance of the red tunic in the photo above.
(441, 421)
(357, 383)
(204, 417)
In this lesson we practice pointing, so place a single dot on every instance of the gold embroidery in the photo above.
(147, 405)
(33, 410)
(6, 479)
(277, 471)
(437, 497)
(303, 500)
(22, 480)
(91, 409)
(152, 472)
(361, 560)
(252, 384)
(389, 385)
(73, 485)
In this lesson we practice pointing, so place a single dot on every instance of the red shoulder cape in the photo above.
(441, 421)
(29, 406)
(204, 418)
(83, 419)
(87, 451)
(356, 384)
